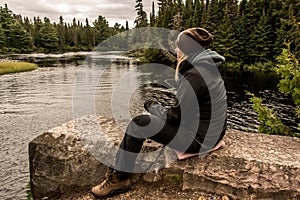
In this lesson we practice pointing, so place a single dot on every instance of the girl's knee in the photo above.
(141, 120)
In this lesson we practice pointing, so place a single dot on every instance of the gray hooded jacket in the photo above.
(201, 105)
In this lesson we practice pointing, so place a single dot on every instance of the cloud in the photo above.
(113, 10)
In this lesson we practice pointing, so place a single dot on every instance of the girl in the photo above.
(195, 124)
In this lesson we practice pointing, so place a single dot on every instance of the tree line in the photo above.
(23, 35)
(246, 31)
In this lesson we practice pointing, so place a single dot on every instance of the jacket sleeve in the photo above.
(186, 104)
(190, 90)
(155, 108)
(171, 114)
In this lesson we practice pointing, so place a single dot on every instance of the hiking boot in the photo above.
(112, 185)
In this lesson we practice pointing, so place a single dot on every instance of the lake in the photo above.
(34, 102)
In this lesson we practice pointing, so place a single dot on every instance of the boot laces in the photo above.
(108, 180)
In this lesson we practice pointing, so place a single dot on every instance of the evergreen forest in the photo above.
(246, 31)
(24, 35)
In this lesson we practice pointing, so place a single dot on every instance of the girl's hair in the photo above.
(180, 60)
(190, 41)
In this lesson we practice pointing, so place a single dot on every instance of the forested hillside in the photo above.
(247, 31)
(18, 34)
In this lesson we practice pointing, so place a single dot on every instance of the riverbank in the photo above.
(15, 67)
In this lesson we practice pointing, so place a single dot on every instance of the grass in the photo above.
(14, 67)
(28, 191)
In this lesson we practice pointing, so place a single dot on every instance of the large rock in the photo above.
(251, 166)
(60, 163)
(63, 159)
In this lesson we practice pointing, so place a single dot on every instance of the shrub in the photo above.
(289, 70)
(270, 123)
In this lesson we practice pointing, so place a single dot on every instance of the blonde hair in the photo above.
(181, 59)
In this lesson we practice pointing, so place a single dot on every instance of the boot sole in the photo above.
(113, 193)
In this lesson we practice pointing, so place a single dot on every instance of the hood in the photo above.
(206, 55)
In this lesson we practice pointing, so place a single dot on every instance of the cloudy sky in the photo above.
(113, 10)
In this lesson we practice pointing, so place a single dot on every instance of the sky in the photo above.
(114, 11)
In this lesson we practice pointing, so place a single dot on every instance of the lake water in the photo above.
(34, 102)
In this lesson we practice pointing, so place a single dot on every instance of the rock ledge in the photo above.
(251, 166)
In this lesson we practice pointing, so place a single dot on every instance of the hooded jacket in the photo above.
(201, 104)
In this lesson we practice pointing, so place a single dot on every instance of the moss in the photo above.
(14, 67)
(173, 177)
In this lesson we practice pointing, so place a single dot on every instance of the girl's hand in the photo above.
(149, 103)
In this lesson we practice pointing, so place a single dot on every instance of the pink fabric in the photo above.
(182, 155)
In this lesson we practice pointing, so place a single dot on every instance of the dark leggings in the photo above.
(154, 128)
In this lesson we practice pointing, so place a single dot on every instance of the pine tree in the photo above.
(242, 7)
(88, 35)
(61, 33)
(248, 14)
(27, 25)
(2, 38)
(127, 26)
(101, 29)
(19, 38)
(166, 12)
(274, 19)
(188, 13)
(242, 37)
(49, 37)
(16, 36)
(75, 35)
(205, 12)
(152, 15)
(197, 15)
(116, 29)
(215, 14)
(252, 13)
(67, 36)
(289, 29)
(6, 18)
(141, 19)
(261, 41)
(36, 32)
(224, 38)
(232, 9)
(170, 12)
(162, 7)
(178, 6)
